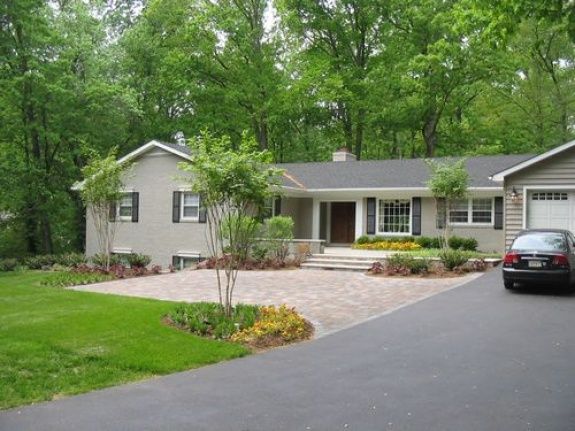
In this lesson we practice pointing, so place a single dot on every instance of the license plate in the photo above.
(535, 264)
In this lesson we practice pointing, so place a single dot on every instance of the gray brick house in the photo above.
(339, 201)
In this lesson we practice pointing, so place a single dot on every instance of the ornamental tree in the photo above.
(448, 183)
(100, 190)
(234, 184)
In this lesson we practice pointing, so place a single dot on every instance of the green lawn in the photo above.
(55, 342)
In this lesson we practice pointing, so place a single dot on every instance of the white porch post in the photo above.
(315, 219)
(359, 217)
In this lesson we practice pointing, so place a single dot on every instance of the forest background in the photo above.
(383, 78)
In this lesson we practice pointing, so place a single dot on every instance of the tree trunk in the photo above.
(429, 132)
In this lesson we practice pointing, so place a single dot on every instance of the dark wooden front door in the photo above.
(342, 222)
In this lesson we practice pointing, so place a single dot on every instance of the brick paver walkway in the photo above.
(331, 300)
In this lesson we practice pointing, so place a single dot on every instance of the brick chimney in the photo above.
(342, 155)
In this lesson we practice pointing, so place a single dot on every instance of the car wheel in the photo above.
(508, 284)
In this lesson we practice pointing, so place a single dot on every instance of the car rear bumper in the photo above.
(556, 276)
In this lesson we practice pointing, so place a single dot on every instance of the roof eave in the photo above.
(500, 176)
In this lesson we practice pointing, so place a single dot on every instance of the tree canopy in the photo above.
(394, 79)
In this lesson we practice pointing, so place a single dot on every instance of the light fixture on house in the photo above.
(514, 195)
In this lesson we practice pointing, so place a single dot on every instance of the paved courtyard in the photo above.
(331, 300)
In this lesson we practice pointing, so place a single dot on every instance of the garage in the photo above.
(551, 209)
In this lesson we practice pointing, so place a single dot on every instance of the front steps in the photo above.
(342, 263)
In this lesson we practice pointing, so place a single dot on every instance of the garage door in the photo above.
(551, 209)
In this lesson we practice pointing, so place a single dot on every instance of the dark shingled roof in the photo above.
(388, 173)
(394, 173)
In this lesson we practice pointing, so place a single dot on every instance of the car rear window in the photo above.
(540, 241)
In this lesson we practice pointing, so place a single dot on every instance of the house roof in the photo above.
(388, 174)
(500, 175)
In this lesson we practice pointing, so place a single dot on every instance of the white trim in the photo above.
(500, 176)
(469, 222)
(122, 250)
(153, 143)
(187, 253)
(526, 190)
(377, 210)
(390, 189)
(183, 218)
(119, 206)
(358, 218)
(315, 219)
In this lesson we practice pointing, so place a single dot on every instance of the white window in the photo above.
(190, 206)
(125, 207)
(185, 261)
(472, 211)
(394, 216)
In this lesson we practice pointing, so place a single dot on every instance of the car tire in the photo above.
(508, 284)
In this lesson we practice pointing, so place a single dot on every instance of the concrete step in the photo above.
(358, 258)
(336, 266)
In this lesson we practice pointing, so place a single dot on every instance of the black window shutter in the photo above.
(277, 206)
(176, 207)
(202, 215)
(112, 213)
(416, 217)
(135, 206)
(498, 222)
(370, 216)
(441, 213)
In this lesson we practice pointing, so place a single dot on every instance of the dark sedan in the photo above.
(540, 256)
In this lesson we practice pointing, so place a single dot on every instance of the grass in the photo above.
(55, 342)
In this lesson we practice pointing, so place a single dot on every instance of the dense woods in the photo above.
(383, 78)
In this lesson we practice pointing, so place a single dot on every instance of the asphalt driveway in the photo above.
(473, 358)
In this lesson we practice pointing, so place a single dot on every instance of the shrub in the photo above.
(275, 326)
(40, 261)
(209, 319)
(8, 264)
(452, 259)
(405, 264)
(278, 231)
(136, 260)
(428, 242)
(259, 252)
(364, 239)
(376, 268)
(389, 245)
(71, 260)
(100, 260)
(72, 278)
(156, 269)
(469, 244)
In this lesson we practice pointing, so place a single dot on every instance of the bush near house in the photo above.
(253, 325)
(393, 243)
(8, 264)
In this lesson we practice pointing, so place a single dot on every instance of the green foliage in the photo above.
(209, 319)
(406, 264)
(101, 260)
(428, 242)
(364, 239)
(275, 326)
(69, 278)
(9, 264)
(278, 231)
(136, 260)
(232, 183)
(459, 243)
(448, 180)
(68, 260)
(453, 259)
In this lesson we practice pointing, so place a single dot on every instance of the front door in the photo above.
(342, 222)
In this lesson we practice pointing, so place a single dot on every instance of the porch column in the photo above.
(359, 217)
(315, 219)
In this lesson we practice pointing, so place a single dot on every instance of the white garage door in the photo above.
(551, 209)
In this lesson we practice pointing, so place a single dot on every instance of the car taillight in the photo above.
(560, 261)
(510, 259)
